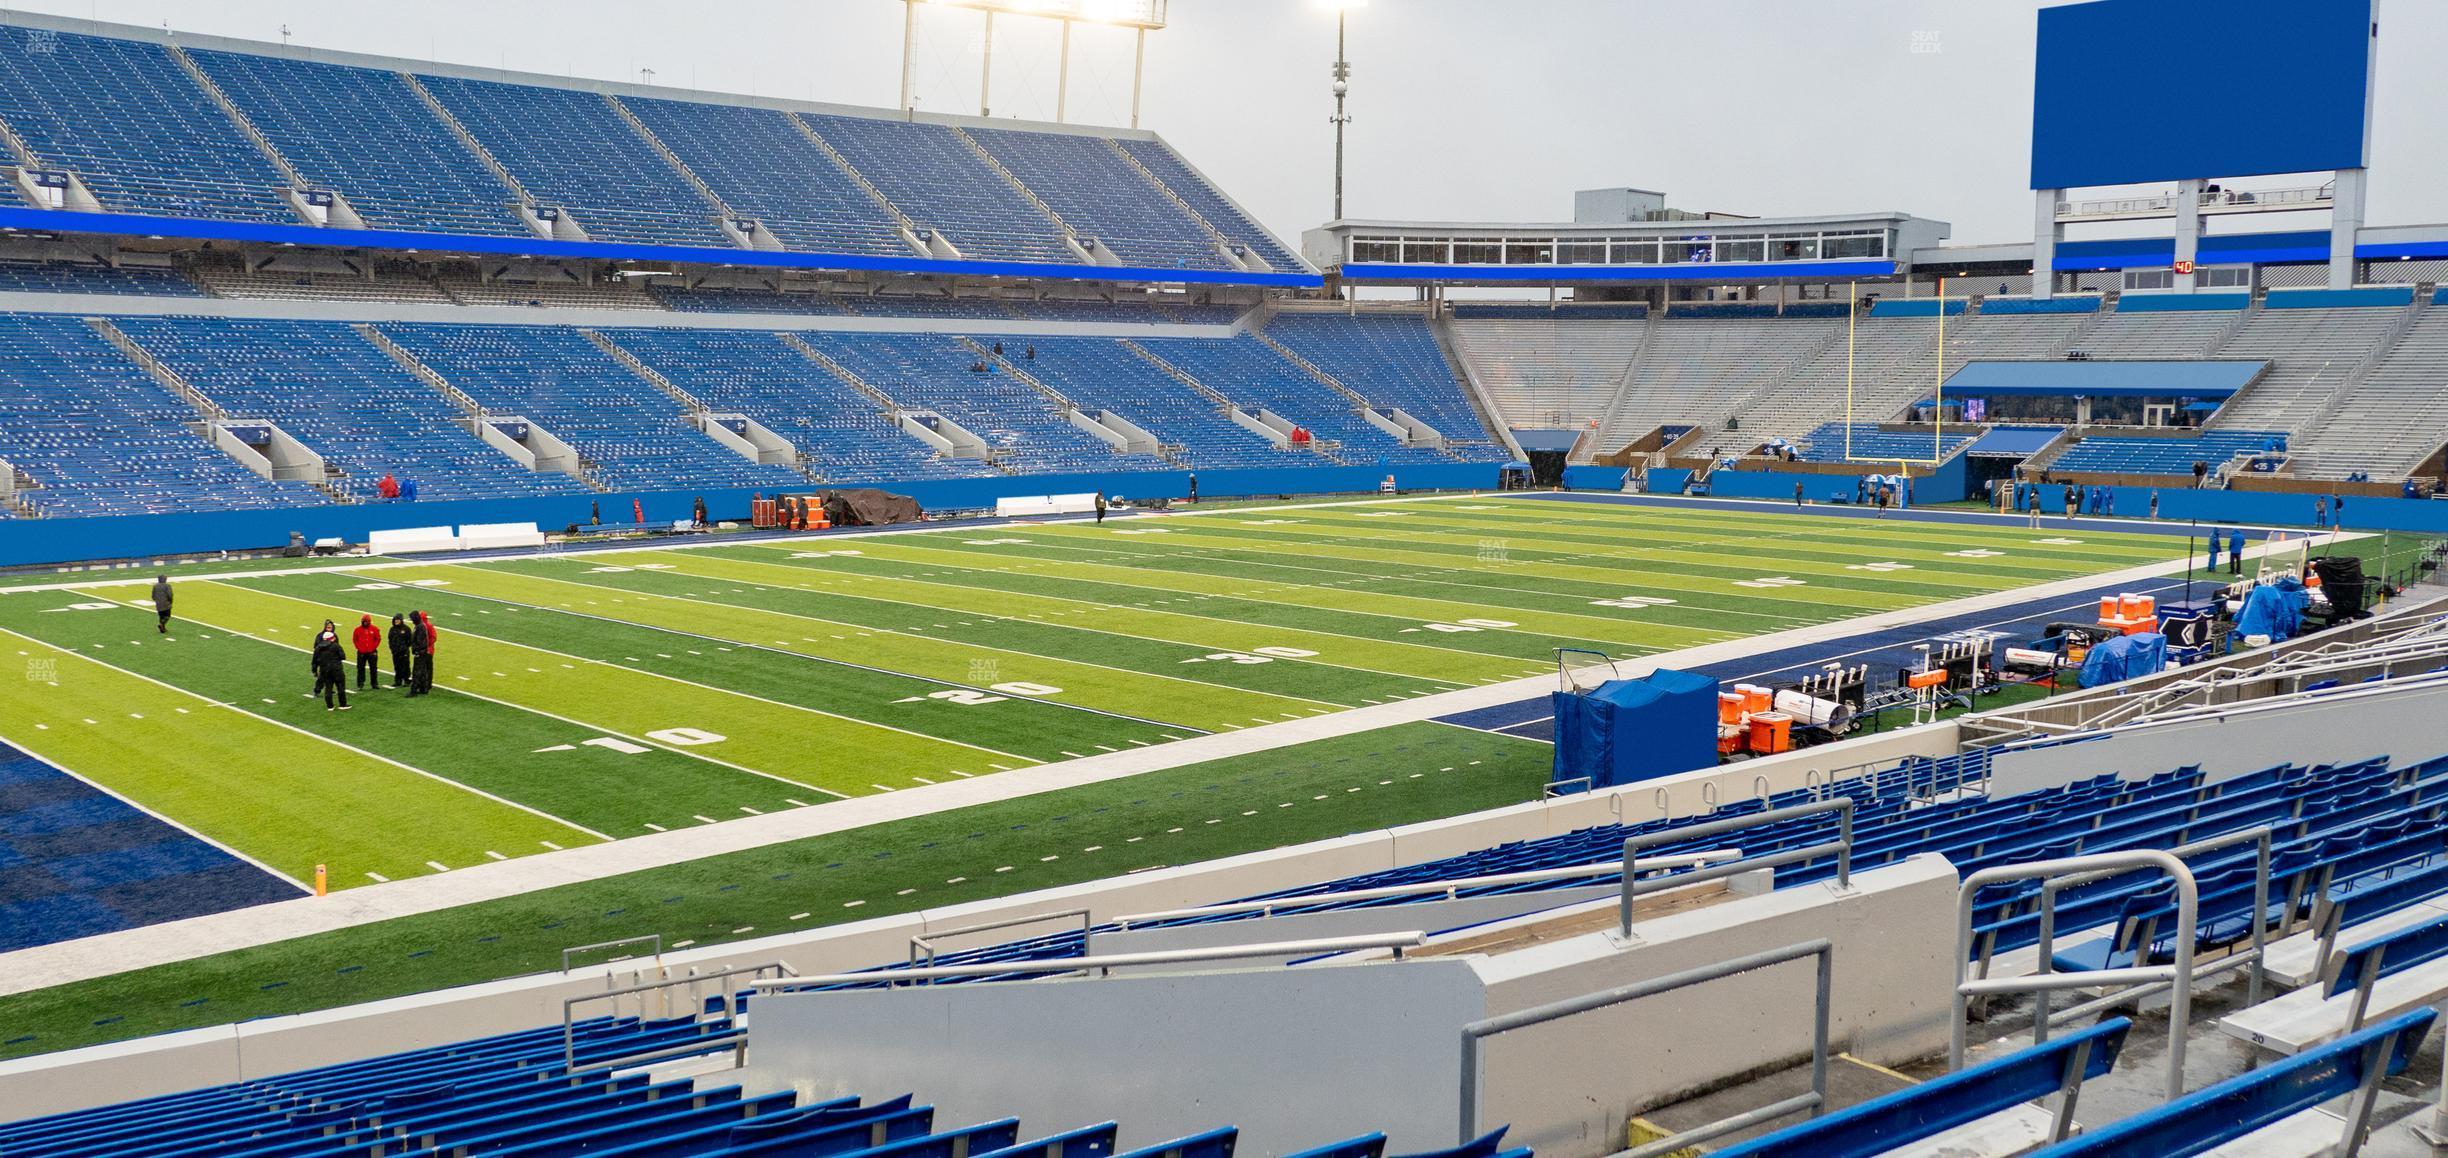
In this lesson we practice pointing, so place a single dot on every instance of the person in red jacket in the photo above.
(388, 488)
(368, 639)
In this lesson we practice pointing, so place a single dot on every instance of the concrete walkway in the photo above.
(64, 962)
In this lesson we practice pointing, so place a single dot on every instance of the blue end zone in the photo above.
(76, 861)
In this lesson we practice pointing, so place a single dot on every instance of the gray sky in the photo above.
(1464, 109)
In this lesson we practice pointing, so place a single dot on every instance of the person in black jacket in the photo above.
(420, 649)
(161, 603)
(399, 651)
(330, 667)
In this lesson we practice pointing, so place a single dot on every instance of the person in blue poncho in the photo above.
(2214, 551)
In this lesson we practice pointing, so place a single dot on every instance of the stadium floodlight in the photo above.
(1140, 15)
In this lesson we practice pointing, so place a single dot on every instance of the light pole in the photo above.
(1342, 86)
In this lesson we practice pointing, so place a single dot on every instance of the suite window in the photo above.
(1581, 252)
(1376, 249)
(1478, 251)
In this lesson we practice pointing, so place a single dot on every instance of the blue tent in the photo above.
(2123, 658)
(2274, 609)
(1631, 730)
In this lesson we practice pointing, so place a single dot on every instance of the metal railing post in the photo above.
(1814, 1101)
(1841, 847)
(2178, 976)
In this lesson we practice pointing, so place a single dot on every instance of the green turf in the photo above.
(1076, 681)
(276, 794)
(1371, 780)
(1029, 728)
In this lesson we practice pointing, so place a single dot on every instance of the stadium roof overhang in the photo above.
(2219, 378)
(60, 221)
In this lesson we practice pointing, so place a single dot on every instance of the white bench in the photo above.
(408, 540)
(478, 536)
(1023, 506)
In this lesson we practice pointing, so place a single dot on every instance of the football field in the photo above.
(598, 695)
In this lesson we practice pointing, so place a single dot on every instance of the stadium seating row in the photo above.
(143, 127)
(99, 435)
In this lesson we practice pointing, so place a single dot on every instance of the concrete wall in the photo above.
(2406, 724)
(1571, 1086)
(1294, 1057)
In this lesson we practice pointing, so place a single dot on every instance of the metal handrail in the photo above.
(1554, 788)
(1814, 1101)
(1842, 847)
(2179, 974)
(657, 938)
(569, 1005)
(2261, 837)
(1105, 965)
(925, 943)
(1448, 887)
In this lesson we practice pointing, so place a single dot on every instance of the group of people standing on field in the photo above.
(411, 641)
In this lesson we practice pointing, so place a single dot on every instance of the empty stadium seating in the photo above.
(332, 390)
(763, 167)
(630, 433)
(1026, 430)
(1169, 168)
(128, 121)
(2313, 353)
(841, 434)
(1103, 374)
(1697, 371)
(1835, 440)
(934, 178)
(2173, 456)
(570, 150)
(100, 437)
(363, 132)
(2383, 426)
(513, 1094)
(1391, 360)
(1100, 195)
(66, 277)
(1547, 369)
(1251, 373)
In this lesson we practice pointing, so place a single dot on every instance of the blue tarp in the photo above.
(2274, 609)
(2123, 658)
(1626, 731)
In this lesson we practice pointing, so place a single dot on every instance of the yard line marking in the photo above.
(782, 648)
(967, 644)
(437, 866)
(609, 731)
(1091, 605)
(405, 767)
(379, 878)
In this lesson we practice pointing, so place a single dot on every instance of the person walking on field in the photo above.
(1100, 508)
(399, 639)
(161, 604)
(368, 640)
(421, 649)
(330, 672)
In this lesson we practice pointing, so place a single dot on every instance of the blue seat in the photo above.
(2233, 1109)
(1918, 1113)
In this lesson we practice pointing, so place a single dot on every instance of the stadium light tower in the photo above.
(1342, 87)
(1138, 14)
